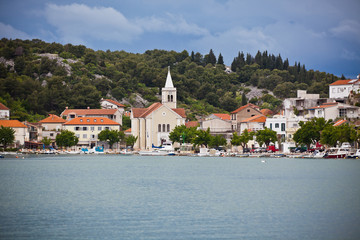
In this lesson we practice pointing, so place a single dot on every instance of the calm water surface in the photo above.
(134, 197)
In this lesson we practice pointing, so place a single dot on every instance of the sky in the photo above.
(323, 34)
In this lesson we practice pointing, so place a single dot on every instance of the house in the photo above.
(242, 113)
(334, 110)
(111, 104)
(342, 88)
(278, 124)
(21, 131)
(301, 103)
(114, 114)
(51, 127)
(4, 112)
(152, 125)
(219, 124)
(190, 124)
(87, 129)
(254, 123)
(340, 122)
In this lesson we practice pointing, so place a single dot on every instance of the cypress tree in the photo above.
(220, 59)
(243, 99)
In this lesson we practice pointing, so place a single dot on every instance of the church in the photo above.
(152, 125)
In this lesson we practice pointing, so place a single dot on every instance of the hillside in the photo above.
(37, 78)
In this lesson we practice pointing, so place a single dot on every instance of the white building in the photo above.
(112, 104)
(87, 129)
(21, 131)
(342, 88)
(4, 112)
(334, 110)
(153, 125)
(114, 114)
(301, 103)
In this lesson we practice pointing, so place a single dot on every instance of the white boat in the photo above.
(337, 153)
(318, 154)
(153, 153)
(355, 155)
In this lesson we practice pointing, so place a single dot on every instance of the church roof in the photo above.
(169, 82)
(144, 112)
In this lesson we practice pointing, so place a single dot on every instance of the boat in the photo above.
(153, 153)
(318, 154)
(356, 155)
(337, 153)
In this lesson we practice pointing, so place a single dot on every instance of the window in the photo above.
(342, 112)
(168, 128)
(92, 128)
(93, 136)
(77, 135)
(108, 128)
(77, 128)
(84, 135)
(159, 127)
(72, 116)
(163, 127)
(88, 120)
(99, 128)
(168, 98)
(94, 120)
(283, 127)
(172, 98)
(276, 125)
(85, 128)
(248, 110)
(51, 134)
(81, 120)
(270, 126)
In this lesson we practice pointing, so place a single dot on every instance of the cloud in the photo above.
(77, 22)
(7, 31)
(172, 23)
(348, 29)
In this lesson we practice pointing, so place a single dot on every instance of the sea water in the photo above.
(138, 197)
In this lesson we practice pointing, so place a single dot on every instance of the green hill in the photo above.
(37, 78)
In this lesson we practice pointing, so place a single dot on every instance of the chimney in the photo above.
(66, 107)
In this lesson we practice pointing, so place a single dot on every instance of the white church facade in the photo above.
(153, 125)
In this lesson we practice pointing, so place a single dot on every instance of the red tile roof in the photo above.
(180, 111)
(91, 121)
(325, 105)
(3, 107)
(84, 112)
(340, 122)
(53, 119)
(245, 106)
(257, 118)
(222, 116)
(344, 82)
(192, 124)
(267, 112)
(144, 112)
(114, 102)
(128, 130)
(12, 123)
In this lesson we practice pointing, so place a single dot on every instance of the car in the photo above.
(260, 150)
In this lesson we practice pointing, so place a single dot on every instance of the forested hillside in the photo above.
(37, 78)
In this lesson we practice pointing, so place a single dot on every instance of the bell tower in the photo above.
(169, 92)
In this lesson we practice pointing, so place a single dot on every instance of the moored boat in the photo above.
(337, 153)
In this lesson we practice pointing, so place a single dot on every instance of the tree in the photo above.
(182, 134)
(130, 140)
(309, 132)
(210, 58)
(46, 141)
(243, 99)
(332, 135)
(111, 136)
(202, 138)
(266, 136)
(7, 136)
(66, 139)
(220, 59)
(242, 139)
(217, 141)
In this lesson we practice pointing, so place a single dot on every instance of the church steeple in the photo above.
(169, 92)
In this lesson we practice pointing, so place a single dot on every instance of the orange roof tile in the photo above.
(114, 102)
(12, 123)
(192, 124)
(89, 111)
(222, 116)
(325, 105)
(245, 106)
(53, 119)
(267, 112)
(180, 111)
(343, 82)
(91, 121)
(128, 130)
(340, 122)
(256, 118)
(3, 107)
